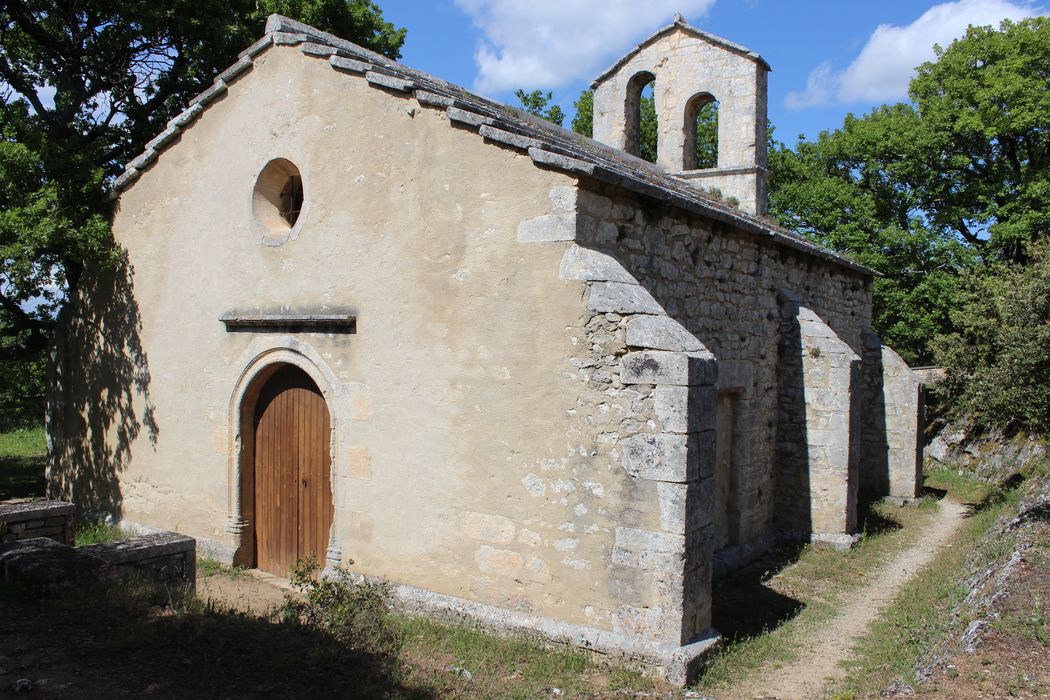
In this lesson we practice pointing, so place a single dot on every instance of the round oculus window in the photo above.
(278, 201)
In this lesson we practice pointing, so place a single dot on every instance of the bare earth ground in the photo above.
(819, 665)
(248, 592)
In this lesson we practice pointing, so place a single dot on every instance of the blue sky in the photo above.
(828, 57)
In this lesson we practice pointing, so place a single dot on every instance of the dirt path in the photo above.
(832, 642)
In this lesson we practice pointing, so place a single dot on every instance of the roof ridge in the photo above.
(547, 144)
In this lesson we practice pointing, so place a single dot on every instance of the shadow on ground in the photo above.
(21, 477)
(102, 642)
(744, 604)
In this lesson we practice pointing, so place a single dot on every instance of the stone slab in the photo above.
(661, 333)
(620, 298)
(579, 263)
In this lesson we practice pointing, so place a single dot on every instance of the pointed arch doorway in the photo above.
(290, 506)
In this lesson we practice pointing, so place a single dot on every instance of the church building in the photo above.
(527, 377)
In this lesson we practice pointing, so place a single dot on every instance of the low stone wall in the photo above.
(50, 519)
(161, 556)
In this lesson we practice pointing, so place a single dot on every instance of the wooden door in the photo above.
(293, 493)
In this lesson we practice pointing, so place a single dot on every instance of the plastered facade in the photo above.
(529, 415)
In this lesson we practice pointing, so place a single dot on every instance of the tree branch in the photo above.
(16, 81)
(25, 21)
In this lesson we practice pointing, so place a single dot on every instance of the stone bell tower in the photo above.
(692, 68)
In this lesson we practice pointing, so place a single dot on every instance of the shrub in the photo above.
(352, 613)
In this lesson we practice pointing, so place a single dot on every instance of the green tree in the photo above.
(83, 87)
(998, 357)
(850, 192)
(922, 192)
(981, 159)
(583, 120)
(707, 136)
(538, 103)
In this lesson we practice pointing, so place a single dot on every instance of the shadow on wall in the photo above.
(98, 395)
(793, 514)
(875, 455)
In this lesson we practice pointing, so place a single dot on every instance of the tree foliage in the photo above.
(849, 191)
(84, 85)
(980, 156)
(539, 103)
(923, 192)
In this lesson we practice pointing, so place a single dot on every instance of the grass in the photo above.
(497, 667)
(97, 531)
(130, 640)
(764, 614)
(963, 487)
(22, 458)
(207, 566)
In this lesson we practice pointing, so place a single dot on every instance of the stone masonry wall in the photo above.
(50, 519)
(644, 411)
(721, 285)
(818, 436)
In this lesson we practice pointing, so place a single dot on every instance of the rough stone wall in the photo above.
(685, 66)
(894, 406)
(721, 285)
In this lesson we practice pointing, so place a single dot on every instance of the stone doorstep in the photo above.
(840, 541)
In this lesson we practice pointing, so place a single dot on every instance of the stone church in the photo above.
(528, 378)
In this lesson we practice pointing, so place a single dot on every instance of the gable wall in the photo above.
(462, 463)
(685, 65)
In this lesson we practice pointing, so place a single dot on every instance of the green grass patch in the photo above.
(456, 660)
(207, 566)
(963, 487)
(764, 615)
(22, 462)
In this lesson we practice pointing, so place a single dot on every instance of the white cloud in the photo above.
(548, 43)
(818, 89)
(886, 64)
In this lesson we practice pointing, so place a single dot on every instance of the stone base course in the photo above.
(677, 664)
